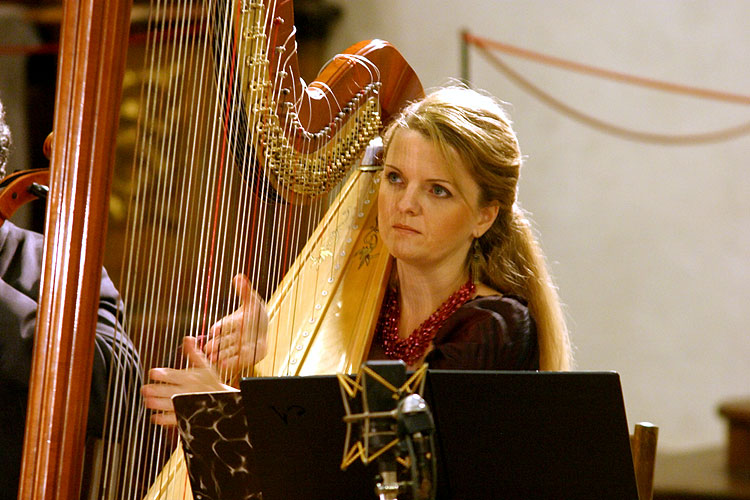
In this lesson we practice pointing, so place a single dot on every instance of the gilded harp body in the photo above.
(238, 168)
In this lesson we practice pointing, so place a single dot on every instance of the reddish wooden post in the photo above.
(91, 63)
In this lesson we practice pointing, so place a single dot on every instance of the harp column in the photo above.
(92, 52)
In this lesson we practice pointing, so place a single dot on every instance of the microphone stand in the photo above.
(416, 428)
(396, 430)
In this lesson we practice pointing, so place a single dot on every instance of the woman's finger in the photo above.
(228, 338)
(229, 362)
(165, 419)
(213, 345)
(228, 323)
(226, 351)
(165, 391)
(158, 404)
(217, 346)
(243, 289)
(195, 356)
(163, 374)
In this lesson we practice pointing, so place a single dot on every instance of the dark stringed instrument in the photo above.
(232, 145)
(20, 188)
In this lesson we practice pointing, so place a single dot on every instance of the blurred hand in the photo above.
(200, 377)
(238, 341)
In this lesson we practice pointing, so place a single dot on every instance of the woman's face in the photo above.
(428, 209)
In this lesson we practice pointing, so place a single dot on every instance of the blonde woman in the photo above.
(470, 288)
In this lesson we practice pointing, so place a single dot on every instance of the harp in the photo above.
(286, 144)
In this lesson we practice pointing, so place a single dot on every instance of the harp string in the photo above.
(167, 112)
(185, 221)
(249, 257)
(282, 58)
(238, 243)
(235, 126)
(143, 289)
(216, 248)
(269, 211)
(173, 322)
(259, 192)
(176, 325)
(131, 257)
(234, 243)
(237, 129)
(115, 427)
(156, 185)
(288, 126)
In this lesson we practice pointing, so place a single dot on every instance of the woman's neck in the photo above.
(423, 290)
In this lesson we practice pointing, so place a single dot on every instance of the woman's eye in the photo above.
(439, 190)
(392, 177)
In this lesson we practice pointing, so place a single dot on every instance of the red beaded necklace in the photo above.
(414, 346)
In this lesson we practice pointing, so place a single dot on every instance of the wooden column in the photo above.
(90, 67)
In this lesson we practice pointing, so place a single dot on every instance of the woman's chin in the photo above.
(408, 255)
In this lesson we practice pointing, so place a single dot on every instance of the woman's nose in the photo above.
(408, 202)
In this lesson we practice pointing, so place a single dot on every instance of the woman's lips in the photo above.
(405, 229)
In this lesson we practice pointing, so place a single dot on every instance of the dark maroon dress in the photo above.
(486, 333)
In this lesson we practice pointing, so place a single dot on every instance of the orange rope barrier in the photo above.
(485, 43)
(635, 135)
(609, 128)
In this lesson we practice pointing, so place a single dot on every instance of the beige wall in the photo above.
(650, 244)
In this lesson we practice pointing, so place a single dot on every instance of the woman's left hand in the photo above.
(238, 341)
(200, 377)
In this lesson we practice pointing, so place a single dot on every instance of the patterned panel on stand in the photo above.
(215, 437)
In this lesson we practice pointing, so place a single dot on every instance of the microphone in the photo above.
(380, 429)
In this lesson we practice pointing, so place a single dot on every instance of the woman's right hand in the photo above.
(238, 340)
(168, 382)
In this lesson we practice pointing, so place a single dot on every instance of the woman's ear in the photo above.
(487, 216)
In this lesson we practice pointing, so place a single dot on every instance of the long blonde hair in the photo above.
(507, 257)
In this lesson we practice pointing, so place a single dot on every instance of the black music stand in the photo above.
(510, 435)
